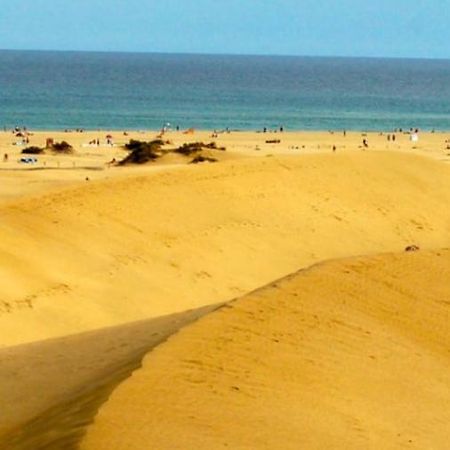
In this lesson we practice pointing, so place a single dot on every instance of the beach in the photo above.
(104, 266)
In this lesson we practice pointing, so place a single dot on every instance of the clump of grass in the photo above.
(195, 147)
(142, 152)
(200, 159)
(61, 147)
(135, 144)
(33, 150)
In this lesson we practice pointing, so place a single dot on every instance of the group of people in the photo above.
(281, 129)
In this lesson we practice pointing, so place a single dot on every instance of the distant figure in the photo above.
(334, 148)
(388, 137)
(5, 157)
(365, 144)
(178, 128)
(98, 142)
(393, 137)
(281, 129)
(264, 130)
(345, 133)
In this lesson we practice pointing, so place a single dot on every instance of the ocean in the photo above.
(61, 90)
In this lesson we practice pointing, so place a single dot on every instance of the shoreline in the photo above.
(231, 130)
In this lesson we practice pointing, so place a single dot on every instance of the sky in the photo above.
(386, 28)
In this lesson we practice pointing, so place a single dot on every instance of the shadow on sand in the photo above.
(50, 391)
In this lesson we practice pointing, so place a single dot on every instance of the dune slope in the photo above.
(349, 354)
(51, 390)
(126, 249)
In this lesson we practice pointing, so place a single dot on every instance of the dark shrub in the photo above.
(189, 149)
(62, 147)
(142, 152)
(134, 144)
(213, 146)
(201, 159)
(32, 150)
(194, 147)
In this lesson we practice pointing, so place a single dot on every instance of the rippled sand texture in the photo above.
(51, 390)
(350, 354)
(89, 268)
(126, 249)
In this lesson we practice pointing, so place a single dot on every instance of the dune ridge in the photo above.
(121, 250)
(349, 354)
(149, 243)
(51, 390)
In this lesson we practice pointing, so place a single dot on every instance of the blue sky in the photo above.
(393, 28)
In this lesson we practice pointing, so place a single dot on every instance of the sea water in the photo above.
(60, 90)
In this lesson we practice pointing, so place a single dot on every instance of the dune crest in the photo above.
(349, 354)
(125, 249)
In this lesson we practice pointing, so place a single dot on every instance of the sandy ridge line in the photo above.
(41, 411)
(62, 423)
(223, 369)
(60, 418)
(210, 233)
(120, 176)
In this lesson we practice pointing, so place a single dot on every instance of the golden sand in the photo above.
(86, 246)
(51, 389)
(125, 249)
(350, 354)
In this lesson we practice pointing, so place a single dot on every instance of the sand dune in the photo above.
(350, 354)
(126, 249)
(50, 390)
(78, 256)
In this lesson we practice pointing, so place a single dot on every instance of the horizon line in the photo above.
(269, 55)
